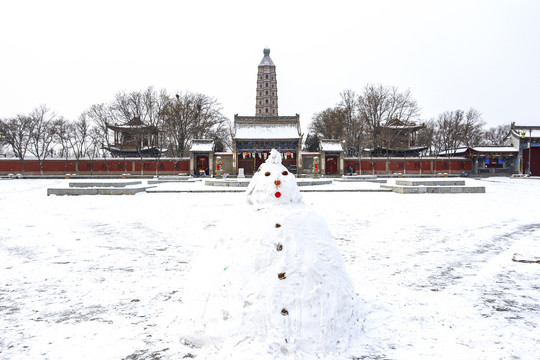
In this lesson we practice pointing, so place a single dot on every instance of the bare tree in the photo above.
(43, 133)
(3, 142)
(100, 115)
(448, 137)
(180, 118)
(495, 136)
(95, 147)
(378, 104)
(79, 138)
(146, 105)
(472, 129)
(354, 132)
(328, 124)
(457, 128)
(191, 116)
(62, 137)
(426, 136)
(16, 133)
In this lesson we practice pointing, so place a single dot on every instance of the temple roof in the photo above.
(480, 149)
(402, 125)
(135, 125)
(266, 127)
(526, 132)
(331, 145)
(202, 145)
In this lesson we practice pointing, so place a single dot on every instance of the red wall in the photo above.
(409, 166)
(181, 165)
(96, 166)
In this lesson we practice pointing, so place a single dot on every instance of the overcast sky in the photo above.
(450, 54)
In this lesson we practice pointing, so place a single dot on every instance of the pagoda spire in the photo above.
(266, 100)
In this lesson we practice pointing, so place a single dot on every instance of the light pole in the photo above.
(530, 160)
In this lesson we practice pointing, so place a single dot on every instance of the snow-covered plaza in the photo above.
(103, 277)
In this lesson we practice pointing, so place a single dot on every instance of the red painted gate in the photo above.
(535, 161)
(202, 164)
(331, 164)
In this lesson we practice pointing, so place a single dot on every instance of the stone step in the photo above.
(88, 184)
(74, 191)
(435, 189)
(430, 182)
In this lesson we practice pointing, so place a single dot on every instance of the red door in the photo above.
(331, 164)
(202, 165)
(535, 161)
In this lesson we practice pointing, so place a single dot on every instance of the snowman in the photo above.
(279, 289)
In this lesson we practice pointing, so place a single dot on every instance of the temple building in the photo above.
(255, 136)
(488, 160)
(134, 139)
(399, 138)
(526, 141)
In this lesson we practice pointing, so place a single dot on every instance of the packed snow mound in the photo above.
(273, 286)
(273, 185)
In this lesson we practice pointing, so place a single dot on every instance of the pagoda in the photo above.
(255, 136)
(134, 139)
(266, 103)
(399, 138)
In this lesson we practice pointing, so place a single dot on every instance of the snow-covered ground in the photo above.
(103, 277)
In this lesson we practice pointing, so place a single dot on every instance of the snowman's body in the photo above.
(288, 289)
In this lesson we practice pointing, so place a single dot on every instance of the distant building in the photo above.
(488, 160)
(202, 156)
(255, 136)
(399, 138)
(331, 158)
(134, 139)
(526, 139)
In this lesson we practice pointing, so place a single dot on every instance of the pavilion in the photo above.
(133, 139)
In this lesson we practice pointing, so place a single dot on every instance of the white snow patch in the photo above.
(105, 276)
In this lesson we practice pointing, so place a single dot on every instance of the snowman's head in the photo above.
(272, 184)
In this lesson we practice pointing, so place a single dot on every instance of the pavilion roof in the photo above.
(134, 124)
